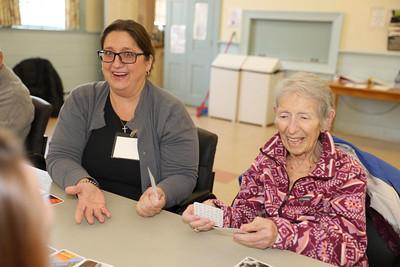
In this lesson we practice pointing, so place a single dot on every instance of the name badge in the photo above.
(125, 147)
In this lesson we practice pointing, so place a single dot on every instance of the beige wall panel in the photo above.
(120, 9)
(94, 17)
(357, 35)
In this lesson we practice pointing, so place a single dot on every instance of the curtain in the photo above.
(9, 13)
(71, 14)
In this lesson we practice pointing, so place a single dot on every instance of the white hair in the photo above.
(308, 85)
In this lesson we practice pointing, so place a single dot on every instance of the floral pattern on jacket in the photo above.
(322, 216)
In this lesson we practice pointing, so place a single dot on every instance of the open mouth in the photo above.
(119, 74)
(295, 140)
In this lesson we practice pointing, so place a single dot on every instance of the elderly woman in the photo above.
(301, 193)
(24, 217)
(110, 135)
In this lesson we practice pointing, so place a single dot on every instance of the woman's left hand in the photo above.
(260, 233)
(148, 205)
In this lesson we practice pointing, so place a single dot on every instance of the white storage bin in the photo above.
(259, 76)
(224, 86)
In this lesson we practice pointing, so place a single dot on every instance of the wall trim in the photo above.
(335, 18)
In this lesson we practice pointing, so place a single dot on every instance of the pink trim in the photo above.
(273, 142)
(331, 143)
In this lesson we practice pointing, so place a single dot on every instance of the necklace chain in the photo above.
(114, 106)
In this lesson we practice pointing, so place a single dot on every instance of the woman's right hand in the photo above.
(91, 203)
(197, 223)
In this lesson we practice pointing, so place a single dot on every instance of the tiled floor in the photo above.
(238, 144)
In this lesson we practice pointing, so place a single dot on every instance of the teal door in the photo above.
(191, 36)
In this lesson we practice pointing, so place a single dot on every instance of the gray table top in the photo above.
(164, 240)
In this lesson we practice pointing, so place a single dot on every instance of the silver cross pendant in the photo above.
(124, 128)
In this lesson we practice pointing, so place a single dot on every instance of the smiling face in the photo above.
(298, 123)
(124, 78)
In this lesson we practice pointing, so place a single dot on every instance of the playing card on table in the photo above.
(65, 258)
(212, 213)
(50, 199)
(92, 263)
(51, 250)
(251, 262)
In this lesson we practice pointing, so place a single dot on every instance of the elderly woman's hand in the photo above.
(260, 233)
(148, 205)
(197, 223)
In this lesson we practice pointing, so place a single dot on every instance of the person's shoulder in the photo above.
(349, 163)
(344, 156)
(8, 77)
(88, 94)
(12, 84)
(88, 89)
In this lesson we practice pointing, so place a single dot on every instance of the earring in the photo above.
(147, 72)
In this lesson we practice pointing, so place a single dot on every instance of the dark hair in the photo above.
(136, 31)
(23, 239)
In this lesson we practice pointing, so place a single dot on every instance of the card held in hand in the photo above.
(212, 213)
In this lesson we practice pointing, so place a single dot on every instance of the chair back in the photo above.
(205, 181)
(42, 80)
(36, 141)
(207, 148)
(381, 251)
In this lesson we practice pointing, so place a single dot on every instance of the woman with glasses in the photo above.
(301, 193)
(114, 134)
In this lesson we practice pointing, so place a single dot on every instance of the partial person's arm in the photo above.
(339, 236)
(179, 147)
(249, 202)
(64, 160)
(68, 142)
(16, 106)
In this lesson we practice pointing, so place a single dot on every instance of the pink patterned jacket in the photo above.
(322, 216)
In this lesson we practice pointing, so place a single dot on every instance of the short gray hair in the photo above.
(309, 85)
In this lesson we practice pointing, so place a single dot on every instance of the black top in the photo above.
(119, 176)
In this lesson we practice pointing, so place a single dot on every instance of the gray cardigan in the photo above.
(16, 108)
(167, 139)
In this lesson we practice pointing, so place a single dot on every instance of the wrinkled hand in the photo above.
(91, 203)
(260, 233)
(148, 205)
(196, 222)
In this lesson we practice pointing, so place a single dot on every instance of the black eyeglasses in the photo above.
(126, 57)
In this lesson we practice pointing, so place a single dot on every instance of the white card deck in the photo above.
(209, 212)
